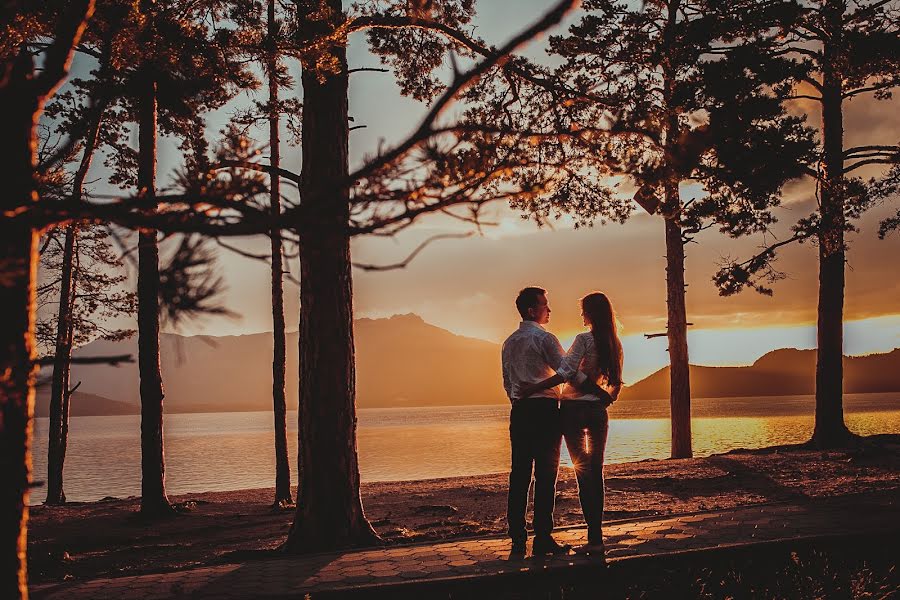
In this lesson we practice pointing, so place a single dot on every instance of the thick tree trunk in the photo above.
(329, 509)
(154, 501)
(22, 98)
(20, 109)
(279, 352)
(59, 415)
(830, 430)
(679, 365)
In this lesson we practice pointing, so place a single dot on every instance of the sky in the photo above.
(468, 286)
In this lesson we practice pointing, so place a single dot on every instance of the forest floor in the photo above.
(81, 541)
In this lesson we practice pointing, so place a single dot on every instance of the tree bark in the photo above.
(154, 501)
(279, 352)
(830, 430)
(62, 358)
(20, 109)
(679, 364)
(65, 332)
(329, 509)
(22, 98)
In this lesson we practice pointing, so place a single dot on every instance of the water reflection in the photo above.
(228, 451)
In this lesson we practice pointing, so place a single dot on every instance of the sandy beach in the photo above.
(107, 539)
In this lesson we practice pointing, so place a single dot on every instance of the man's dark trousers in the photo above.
(535, 435)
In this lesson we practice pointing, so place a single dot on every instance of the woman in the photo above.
(595, 355)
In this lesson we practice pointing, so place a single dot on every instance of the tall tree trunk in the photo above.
(154, 501)
(56, 446)
(679, 365)
(20, 110)
(279, 352)
(22, 98)
(65, 331)
(830, 430)
(329, 509)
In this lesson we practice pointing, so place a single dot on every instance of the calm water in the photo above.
(229, 451)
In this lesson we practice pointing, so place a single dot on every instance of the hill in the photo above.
(82, 405)
(400, 361)
(782, 372)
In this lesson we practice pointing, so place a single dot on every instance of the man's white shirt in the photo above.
(530, 355)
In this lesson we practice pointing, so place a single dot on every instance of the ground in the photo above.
(107, 539)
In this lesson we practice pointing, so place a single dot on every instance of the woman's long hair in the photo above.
(599, 312)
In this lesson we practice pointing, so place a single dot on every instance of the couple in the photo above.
(534, 365)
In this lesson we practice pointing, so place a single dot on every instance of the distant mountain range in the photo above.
(404, 361)
(784, 372)
(400, 361)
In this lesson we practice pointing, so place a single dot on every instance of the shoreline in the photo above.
(106, 539)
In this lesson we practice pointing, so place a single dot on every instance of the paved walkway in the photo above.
(380, 568)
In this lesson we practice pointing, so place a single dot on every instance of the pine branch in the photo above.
(871, 161)
(460, 83)
(46, 361)
(850, 152)
(453, 34)
(252, 166)
(405, 262)
(367, 70)
(70, 27)
(869, 89)
(88, 123)
(866, 12)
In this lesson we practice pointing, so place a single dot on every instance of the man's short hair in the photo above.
(528, 298)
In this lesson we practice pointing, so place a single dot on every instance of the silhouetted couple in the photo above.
(590, 373)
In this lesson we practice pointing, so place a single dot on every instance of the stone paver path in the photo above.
(294, 577)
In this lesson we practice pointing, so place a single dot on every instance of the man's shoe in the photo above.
(592, 548)
(547, 545)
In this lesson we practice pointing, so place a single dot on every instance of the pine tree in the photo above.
(279, 356)
(413, 40)
(267, 40)
(76, 265)
(848, 50)
(177, 70)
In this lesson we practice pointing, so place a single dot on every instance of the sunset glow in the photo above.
(495, 299)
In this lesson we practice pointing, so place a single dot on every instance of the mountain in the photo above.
(404, 361)
(82, 404)
(400, 361)
(778, 373)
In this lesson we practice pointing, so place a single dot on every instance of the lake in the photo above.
(230, 451)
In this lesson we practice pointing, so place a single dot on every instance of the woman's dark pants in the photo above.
(535, 436)
(585, 425)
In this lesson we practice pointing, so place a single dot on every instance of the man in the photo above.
(530, 355)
